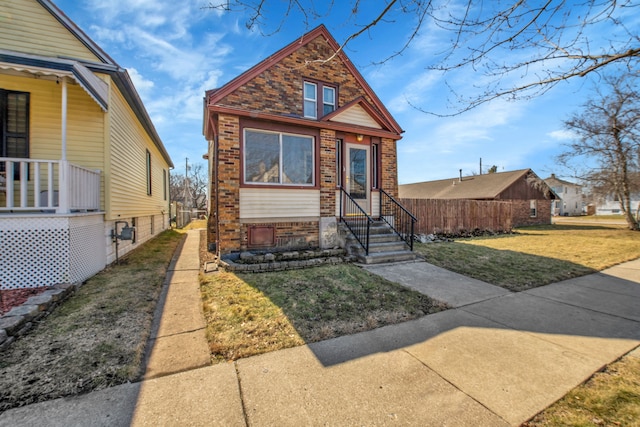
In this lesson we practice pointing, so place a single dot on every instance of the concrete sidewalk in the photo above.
(496, 360)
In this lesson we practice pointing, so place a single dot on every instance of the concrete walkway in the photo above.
(496, 360)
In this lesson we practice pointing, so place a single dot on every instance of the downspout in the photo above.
(217, 195)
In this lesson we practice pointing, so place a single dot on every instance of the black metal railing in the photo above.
(398, 218)
(356, 219)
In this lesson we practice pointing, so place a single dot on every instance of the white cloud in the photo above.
(562, 135)
(143, 86)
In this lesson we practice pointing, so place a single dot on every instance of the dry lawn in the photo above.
(536, 256)
(609, 398)
(96, 338)
(250, 314)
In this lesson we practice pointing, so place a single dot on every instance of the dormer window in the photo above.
(319, 99)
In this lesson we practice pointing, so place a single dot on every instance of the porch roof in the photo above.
(47, 66)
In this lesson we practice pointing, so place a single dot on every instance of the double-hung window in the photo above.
(278, 158)
(310, 100)
(319, 99)
(14, 126)
(148, 169)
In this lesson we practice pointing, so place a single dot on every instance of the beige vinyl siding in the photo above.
(356, 115)
(278, 203)
(127, 171)
(26, 26)
(85, 122)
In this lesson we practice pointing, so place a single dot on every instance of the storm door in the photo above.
(357, 175)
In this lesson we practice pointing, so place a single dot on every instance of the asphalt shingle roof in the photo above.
(478, 187)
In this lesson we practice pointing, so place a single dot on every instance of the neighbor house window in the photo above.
(533, 208)
(164, 183)
(319, 99)
(14, 126)
(148, 173)
(278, 158)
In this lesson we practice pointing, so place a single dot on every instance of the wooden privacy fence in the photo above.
(454, 216)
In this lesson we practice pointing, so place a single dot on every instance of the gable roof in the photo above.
(383, 117)
(477, 187)
(82, 71)
(554, 179)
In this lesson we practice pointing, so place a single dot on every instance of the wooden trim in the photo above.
(302, 122)
(282, 128)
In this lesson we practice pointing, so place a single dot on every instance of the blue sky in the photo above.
(174, 51)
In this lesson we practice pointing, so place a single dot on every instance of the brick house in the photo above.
(530, 197)
(290, 140)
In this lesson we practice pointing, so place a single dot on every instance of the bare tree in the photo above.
(192, 190)
(522, 48)
(606, 151)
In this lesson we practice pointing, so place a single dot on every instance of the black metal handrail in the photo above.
(398, 217)
(356, 219)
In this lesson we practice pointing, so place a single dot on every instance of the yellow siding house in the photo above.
(79, 156)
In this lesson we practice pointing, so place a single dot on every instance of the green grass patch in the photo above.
(536, 256)
(250, 314)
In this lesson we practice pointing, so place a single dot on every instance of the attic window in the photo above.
(319, 99)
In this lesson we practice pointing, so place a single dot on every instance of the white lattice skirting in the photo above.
(40, 250)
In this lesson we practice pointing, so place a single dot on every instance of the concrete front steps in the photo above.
(384, 245)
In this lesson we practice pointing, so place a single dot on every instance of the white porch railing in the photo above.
(47, 185)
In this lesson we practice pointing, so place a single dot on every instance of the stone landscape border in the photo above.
(19, 320)
(250, 262)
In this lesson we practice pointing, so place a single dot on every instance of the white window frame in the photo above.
(319, 99)
(310, 100)
(324, 100)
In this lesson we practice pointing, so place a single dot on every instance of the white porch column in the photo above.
(63, 173)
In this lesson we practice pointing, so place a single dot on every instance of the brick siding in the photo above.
(389, 166)
(327, 173)
(280, 86)
(521, 213)
(228, 182)
(288, 235)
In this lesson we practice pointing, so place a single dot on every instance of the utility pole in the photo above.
(186, 183)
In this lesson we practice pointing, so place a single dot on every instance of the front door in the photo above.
(357, 175)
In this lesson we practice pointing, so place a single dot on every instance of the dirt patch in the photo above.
(205, 255)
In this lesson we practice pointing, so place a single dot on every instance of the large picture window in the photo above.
(278, 158)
